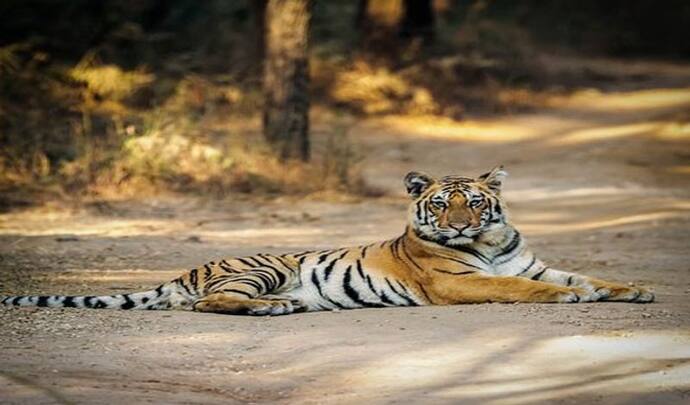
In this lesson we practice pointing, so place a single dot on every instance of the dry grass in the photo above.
(202, 137)
(108, 81)
(378, 90)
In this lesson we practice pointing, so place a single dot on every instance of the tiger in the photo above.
(458, 247)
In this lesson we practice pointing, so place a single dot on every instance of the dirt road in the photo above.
(599, 183)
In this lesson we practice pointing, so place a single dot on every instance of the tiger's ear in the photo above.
(494, 178)
(417, 183)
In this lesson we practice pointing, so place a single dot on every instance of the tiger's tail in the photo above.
(170, 295)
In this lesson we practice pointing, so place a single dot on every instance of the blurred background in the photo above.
(139, 138)
(123, 98)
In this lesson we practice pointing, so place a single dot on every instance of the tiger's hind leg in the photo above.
(222, 303)
(249, 288)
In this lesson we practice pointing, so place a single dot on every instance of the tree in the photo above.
(286, 78)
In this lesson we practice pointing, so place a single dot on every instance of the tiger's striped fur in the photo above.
(458, 247)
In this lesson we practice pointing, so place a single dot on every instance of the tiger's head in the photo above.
(456, 210)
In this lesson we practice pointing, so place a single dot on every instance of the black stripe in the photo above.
(181, 283)
(266, 279)
(354, 294)
(428, 299)
(281, 278)
(359, 268)
(218, 283)
(570, 280)
(99, 304)
(328, 269)
(277, 278)
(233, 290)
(194, 280)
(364, 251)
(256, 261)
(409, 257)
(282, 261)
(367, 279)
(453, 259)
(270, 264)
(394, 248)
(68, 302)
(460, 248)
(404, 297)
(529, 266)
(227, 267)
(87, 302)
(323, 257)
(418, 211)
(250, 282)
(471, 252)
(245, 262)
(422, 208)
(538, 275)
(207, 272)
(317, 283)
(129, 304)
(384, 298)
(409, 294)
(461, 273)
(512, 245)
(303, 253)
(42, 301)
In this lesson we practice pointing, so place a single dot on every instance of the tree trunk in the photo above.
(286, 78)
(258, 11)
(418, 21)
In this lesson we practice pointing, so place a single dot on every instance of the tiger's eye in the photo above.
(439, 204)
(475, 203)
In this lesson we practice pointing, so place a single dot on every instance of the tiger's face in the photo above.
(456, 210)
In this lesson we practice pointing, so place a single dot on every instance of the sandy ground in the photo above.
(599, 184)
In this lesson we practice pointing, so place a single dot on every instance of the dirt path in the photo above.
(600, 184)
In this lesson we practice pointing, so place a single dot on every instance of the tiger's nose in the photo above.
(459, 226)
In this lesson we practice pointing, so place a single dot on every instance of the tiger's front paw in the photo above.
(634, 294)
(626, 294)
(581, 295)
(645, 296)
(273, 307)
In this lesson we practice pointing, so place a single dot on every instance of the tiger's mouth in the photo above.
(455, 238)
(460, 240)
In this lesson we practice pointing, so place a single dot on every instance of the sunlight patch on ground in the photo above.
(537, 228)
(110, 227)
(624, 101)
(434, 127)
(605, 133)
(514, 371)
(679, 169)
(675, 130)
(538, 194)
(106, 276)
(572, 365)
(33, 224)
(522, 127)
